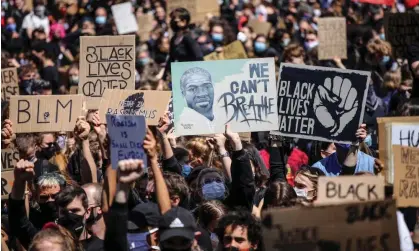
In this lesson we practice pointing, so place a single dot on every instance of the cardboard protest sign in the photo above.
(74, 89)
(150, 104)
(321, 103)
(7, 179)
(234, 50)
(106, 62)
(346, 189)
(332, 38)
(260, 27)
(378, 2)
(126, 133)
(208, 95)
(9, 83)
(198, 9)
(124, 18)
(348, 227)
(406, 176)
(145, 26)
(9, 158)
(401, 30)
(51, 113)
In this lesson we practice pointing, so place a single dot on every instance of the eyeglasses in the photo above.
(46, 197)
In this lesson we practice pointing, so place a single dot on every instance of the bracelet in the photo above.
(223, 155)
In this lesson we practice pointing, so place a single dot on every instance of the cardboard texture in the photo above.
(260, 27)
(332, 38)
(74, 89)
(401, 30)
(349, 227)
(106, 62)
(197, 8)
(406, 176)
(124, 18)
(234, 50)
(384, 141)
(9, 83)
(150, 104)
(7, 179)
(52, 113)
(346, 189)
(145, 26)
(9, 158)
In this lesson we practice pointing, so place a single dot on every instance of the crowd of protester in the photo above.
(195, 192)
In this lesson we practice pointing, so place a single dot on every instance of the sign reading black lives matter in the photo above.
(321, 103)
(106, 62)
(401, 30)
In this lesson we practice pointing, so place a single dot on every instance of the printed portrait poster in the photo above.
(208, 95)
(321, 103)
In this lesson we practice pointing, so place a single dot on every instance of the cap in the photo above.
(177, 222)
(143, 215)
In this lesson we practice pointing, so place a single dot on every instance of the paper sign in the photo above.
(124, 18)
(126, 133)
(208, 95)
(150, 104)
(260, 27)
(51, 113)
(406, 176)
(401, 30)
(9, 158)
(9, 83)
(321, 103)
(145, 26)
(332, 38)
(378, 2)
(346, 189)
(347, 227)
(198, 9)
(234, 50)
(106, 62)
(7, 179)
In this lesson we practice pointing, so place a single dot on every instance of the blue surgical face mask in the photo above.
(100, 20)
(186, 170)
(285, 42)
(11, 27)
(216, 37)
(260, 47)
(138, 241)
(213, 191)
(385, 59)
(368, 140)
(382, 36)
(144, 61)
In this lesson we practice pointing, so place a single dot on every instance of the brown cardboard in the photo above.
(9, 83)
(74, 89)
(406, 176)
(198, 9)
(150, 104)
(346, 189)
(106, 62)
(234, 50)
(51, 113)
(260, 27)
(7, 179)
(348, 227)
(401, 30)
(145, 26)
(332, 38)
(9, 158)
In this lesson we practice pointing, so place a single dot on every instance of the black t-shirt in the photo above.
(93, 244)
(50, 73)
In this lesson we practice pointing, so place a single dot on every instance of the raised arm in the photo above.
(169, 161)
(88, 166)
(219, 141)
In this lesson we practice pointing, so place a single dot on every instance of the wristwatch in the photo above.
(225, 154)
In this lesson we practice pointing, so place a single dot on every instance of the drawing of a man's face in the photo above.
(198, 91)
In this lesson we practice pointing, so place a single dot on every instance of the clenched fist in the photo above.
(130, 170)
(82, 128)
(24, 170)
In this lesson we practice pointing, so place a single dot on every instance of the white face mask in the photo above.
(300, 192)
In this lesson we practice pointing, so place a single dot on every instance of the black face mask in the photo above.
(49, 151)
(72, 222)
(174, 26)
(93, 218)
(48, 211)
(26, 86)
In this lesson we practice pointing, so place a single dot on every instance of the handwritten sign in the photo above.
(106, 62)
(260, 27)
(401, 30)
(346, 189)
(150, 104)
(9, 83)
(7, 179)
(208, 95)
(145, 26)
(126, 133)
(321, 103)
(198, 8)
(332, 38)
(406, 176)
(348, 227)
(124, 18)
(234, 50)
(9, 158)
(51, 113)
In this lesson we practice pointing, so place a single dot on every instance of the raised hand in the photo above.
(164, 123)
(335, 104)
(99, 128)
(130, 170)
(82, 128)
(7, 134)
(150, 144)
(24, 171)
(234, 139)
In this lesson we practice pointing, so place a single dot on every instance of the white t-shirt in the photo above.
(32, 21)
(192, 122)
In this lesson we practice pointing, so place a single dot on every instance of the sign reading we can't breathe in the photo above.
(321, 103)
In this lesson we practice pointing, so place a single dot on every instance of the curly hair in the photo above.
(198, 148)
(176, 185)
(293, 51)
(379, 47)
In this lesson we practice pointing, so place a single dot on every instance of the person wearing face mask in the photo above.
(101, 20)
(259, 46)
(73, 75)
(217, 35)
(95, 223)
(212, 185)
(311, 40)
(35, 20)
(305, 183)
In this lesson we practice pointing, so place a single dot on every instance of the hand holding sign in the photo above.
(24, 171)
(150, 144)
(335, 104)
(7, 133)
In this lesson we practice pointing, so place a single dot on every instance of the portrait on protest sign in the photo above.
(9, 83)
(126, 133)
(106, 62)
(406, 176)
(349, 227)
(52, 113)
(150, 104)
(124, 18)
(210, 94)
(401, 31)
(320, 103)
(332, 38)
(9, 158)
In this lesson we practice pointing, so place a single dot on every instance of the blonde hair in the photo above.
(380, 47)
(198, 148)
(392, 79)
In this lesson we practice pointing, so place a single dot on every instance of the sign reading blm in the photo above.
(208, 95)
(106, 62)
(321, 103)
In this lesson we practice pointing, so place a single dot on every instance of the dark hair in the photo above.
(315, 151)
(182, 13)
(279, 194)
(68, 194)
(176, 185)
(244, 219)
(24, 141)
(39, 85)
(261, 172)
(210, 211)
(410, 108)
